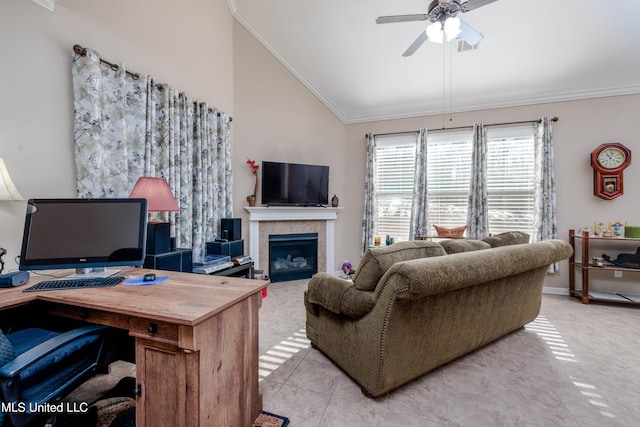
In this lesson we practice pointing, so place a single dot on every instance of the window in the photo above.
(395, 172)
(448, 177)
(510, 180)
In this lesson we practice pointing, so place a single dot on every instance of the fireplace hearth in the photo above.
(292, 256)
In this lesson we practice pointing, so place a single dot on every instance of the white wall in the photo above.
(278, 119)
(187, 44)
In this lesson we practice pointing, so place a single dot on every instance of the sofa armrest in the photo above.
(431, 276)
(339, 296)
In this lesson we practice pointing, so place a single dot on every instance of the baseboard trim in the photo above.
(555, 291)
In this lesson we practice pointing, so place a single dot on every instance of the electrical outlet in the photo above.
(617, 273)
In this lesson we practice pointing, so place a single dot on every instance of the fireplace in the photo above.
(265, 221)
(292, 256)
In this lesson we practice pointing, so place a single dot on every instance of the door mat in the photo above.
(267, 419)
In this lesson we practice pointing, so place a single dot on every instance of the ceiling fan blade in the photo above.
(416, 44)
(474, 4)
(469, 35)
(401, 18)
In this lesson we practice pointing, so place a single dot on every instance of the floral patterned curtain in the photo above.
(545, 218)
(107, 110)
(127, 128)
(420, 205)
(369, 216)
(477, 214)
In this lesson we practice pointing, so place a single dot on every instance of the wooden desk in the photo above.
(196, 342)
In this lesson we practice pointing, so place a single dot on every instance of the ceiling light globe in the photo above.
(434, 32)
(452, 28)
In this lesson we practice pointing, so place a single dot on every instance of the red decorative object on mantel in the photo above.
(254, 171)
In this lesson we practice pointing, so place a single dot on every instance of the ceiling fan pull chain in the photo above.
(443, 82)
(450, 82)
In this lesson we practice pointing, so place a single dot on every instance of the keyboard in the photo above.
(92, 282)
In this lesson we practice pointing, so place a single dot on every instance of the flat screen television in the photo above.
(295, 184)
(90, 235)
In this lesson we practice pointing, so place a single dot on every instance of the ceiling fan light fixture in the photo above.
(452, 28)
(434, 32)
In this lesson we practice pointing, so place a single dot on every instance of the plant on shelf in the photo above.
(254, 171)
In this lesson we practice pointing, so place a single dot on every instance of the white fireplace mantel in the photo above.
(292, 213)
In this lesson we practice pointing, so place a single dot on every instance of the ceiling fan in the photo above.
(443, 16)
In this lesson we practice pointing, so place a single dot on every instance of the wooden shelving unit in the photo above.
(584, 266)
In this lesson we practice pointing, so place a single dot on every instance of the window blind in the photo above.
(510, 180)
(448, 178)
(395, 174)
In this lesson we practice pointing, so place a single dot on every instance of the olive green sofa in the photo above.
(414, 306)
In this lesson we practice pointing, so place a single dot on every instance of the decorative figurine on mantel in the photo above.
(334, 201)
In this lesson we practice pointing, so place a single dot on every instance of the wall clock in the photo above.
(608, 162)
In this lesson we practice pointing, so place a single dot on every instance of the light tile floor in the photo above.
(576, 365)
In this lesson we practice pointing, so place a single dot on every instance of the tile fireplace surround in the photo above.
(264, 221)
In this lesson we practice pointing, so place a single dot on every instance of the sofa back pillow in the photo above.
(455, 246)
(377, 260)
(507, 238)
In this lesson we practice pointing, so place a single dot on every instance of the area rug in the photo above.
(267, 419)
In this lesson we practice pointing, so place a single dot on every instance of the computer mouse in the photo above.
(149, 277)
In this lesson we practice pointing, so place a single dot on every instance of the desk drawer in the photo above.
(99, 317)
(154, 331)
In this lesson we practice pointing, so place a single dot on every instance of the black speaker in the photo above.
(176, 260)
(231, 228)
(168, 261)
(233, 248)
(158, 238)
(186, 260)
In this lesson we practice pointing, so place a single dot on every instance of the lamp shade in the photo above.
(157, 192)
(8, 191)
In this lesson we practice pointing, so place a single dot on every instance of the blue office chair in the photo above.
(38, 366)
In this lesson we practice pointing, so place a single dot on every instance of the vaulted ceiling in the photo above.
(533, 51)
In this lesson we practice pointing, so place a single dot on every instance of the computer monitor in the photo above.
(90, 235)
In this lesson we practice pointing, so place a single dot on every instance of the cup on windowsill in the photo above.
(376, 240)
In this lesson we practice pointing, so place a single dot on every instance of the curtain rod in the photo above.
(555, 119)
(79, 50)
(82, 51)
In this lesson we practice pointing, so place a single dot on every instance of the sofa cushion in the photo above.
(376, 261)
(455, 246)
(507, 238)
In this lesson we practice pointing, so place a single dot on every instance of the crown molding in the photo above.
(522, 102)
(354, 119)
(283, 60)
